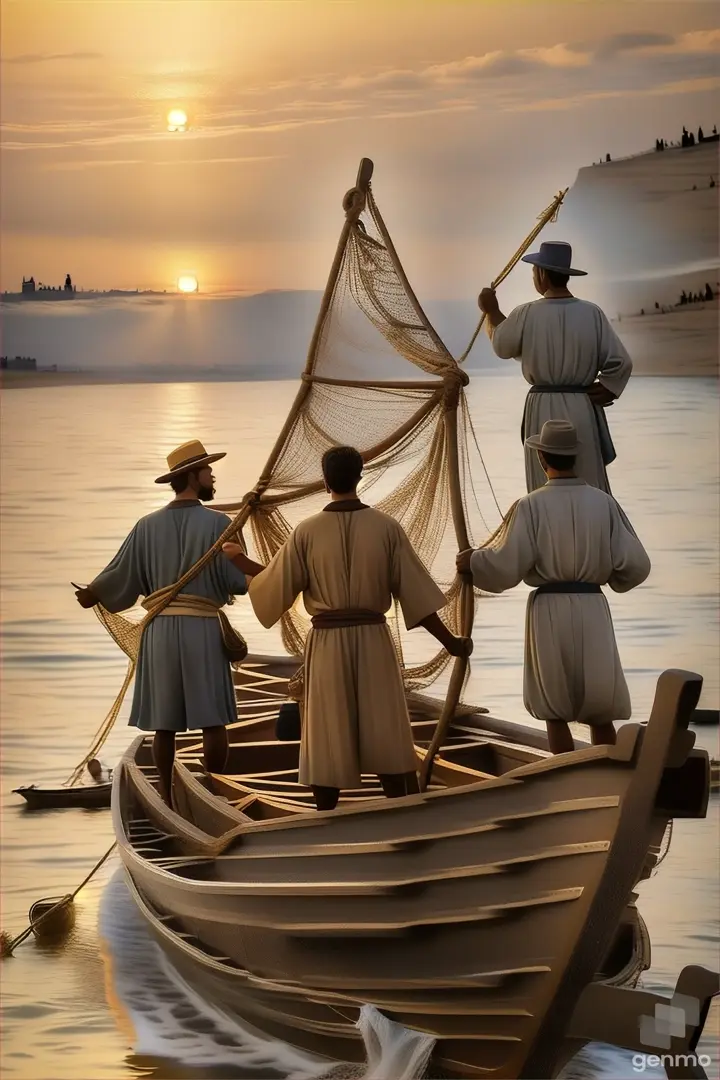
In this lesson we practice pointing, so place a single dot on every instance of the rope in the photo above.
(548, 215)
(7, 946)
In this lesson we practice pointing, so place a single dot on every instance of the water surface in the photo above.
(78, 465)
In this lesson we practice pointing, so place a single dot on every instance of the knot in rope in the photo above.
(353, 203)
(453, 381)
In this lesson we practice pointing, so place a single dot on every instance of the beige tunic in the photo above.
(355, 719)
(566, 342)
(568, 531)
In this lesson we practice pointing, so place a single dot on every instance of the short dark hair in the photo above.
(561, 462)
(342, 468)
(180, 482)
(556, 279)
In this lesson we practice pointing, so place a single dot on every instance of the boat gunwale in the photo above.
(622, 753)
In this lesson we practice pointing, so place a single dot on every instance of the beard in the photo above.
(206, 494)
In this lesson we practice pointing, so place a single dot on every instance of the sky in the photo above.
(474, 113)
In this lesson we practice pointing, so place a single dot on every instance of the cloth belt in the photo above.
(607, 449)
(535, 389)
(569, 587)
(339, 620)
(184, 604)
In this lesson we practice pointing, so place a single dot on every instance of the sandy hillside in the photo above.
(645, 229)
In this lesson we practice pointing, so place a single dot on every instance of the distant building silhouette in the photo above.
(28, 285)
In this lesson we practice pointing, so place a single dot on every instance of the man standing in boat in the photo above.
(571, 356)
(566, 539)
(183, 679)
(349, 562)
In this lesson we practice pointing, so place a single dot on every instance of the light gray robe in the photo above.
(568, 531)
(183, 677)
(566, 342)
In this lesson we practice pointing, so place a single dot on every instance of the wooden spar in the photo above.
(368, 456)
(365, 384)
(352, 213)
(467, 595)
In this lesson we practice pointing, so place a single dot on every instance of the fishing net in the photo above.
(377, 377)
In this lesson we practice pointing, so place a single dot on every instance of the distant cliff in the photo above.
(644, 225)
(646, 229)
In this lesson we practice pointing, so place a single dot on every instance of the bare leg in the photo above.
(163, 756)
(215, 748)
(396, 785)
(559, 737)
(603, 735)
(326, 798)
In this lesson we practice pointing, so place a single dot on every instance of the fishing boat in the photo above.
(83, 796)
(487, 911)
(495, 910)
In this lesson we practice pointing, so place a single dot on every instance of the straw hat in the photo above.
(554, 255)
(556, 437)
(191, 455)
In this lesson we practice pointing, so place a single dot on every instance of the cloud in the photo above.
(46, 58)
(100, 163)
(621, 43)
(557, 104)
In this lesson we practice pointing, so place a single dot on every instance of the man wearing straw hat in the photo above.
(571, 356)
(183, 679)
(566, 540)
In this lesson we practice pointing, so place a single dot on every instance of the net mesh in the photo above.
(378, 377)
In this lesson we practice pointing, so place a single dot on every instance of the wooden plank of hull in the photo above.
(482, 1025)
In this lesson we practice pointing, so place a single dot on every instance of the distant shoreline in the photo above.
(33, 380)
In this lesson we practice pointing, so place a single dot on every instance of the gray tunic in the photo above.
(183, 678)
(566, 342)
(568, 531)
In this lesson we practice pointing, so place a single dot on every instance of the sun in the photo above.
(177, 120)
(187, 283)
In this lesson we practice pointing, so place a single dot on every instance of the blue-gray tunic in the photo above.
(183, 677)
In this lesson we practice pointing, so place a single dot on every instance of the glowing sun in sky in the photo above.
(177, 120)
(187, 283)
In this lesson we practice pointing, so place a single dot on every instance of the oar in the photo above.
(8, 944)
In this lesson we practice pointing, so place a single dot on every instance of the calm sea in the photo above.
(77, 470)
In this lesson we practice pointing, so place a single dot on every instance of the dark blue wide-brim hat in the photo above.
(554, 255)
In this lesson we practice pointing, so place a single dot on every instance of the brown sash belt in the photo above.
(569, 587)
(339, 620)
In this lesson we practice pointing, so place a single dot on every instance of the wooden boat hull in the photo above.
(87, 797)
(478, 911)
(300, 1016)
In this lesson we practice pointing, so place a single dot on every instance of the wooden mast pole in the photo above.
(353, 210)
(454, 379)
(467, 594)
